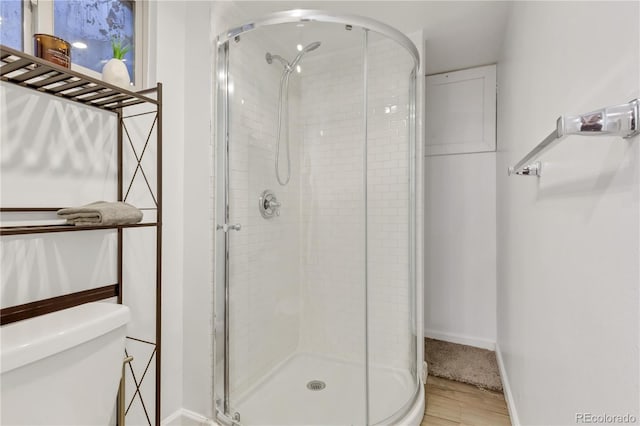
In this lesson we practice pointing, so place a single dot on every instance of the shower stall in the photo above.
(316, 304)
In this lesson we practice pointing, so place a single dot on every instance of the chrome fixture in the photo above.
(532, 169)
(618, 120)
(227, 228)
(268, 204)
(290, 66)
(284, 109)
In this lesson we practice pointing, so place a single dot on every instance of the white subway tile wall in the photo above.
(333, 281)
(391, 298)
(264, 267)
(333, 209)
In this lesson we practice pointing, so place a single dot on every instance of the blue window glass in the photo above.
(95, 24)
(11, 23)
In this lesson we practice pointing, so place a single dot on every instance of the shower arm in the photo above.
(618, 120)
(283, 61)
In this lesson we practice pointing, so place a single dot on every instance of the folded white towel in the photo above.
(102, 213)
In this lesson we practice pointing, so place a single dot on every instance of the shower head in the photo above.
(269, 57)
(289, 67)
(311, 46)
(308, 48)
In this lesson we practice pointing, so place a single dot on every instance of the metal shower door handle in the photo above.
(227, 228)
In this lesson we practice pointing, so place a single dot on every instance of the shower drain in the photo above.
(316, 385)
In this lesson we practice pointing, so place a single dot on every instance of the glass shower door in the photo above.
(263, 266)
(392, 369)
(292, 320)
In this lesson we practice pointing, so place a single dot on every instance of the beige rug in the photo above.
(463, 364)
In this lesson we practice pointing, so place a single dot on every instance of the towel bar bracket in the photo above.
(533, 169)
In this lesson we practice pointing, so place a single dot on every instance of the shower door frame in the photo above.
(221, 203)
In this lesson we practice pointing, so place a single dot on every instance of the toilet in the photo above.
(63, 368)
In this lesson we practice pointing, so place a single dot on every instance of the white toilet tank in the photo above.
(63, 368)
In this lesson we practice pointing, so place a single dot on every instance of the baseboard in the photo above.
(506, 388)
(184, 417)
(461, 339)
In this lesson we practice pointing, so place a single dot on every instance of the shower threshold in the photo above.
(283, 397)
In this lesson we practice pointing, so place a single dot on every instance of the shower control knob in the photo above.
(268, 204)
(273, 204)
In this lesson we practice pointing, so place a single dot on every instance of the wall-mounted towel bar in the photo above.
(619, 120)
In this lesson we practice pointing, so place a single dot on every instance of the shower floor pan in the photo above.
(291, 395)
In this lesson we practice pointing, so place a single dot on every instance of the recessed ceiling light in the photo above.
(79, 45)
(299, 47)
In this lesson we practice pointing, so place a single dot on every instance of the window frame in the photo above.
(38, 18)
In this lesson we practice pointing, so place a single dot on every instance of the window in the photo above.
(89, 25)
(11, 18)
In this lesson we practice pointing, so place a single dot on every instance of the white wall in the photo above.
(568, 243)
(69, 158)
(460, 249)
(167, 52)
(460, 218)
(197, 349)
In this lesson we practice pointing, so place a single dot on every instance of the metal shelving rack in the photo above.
(37, 74)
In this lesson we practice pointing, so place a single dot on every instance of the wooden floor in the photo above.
(452, 403)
